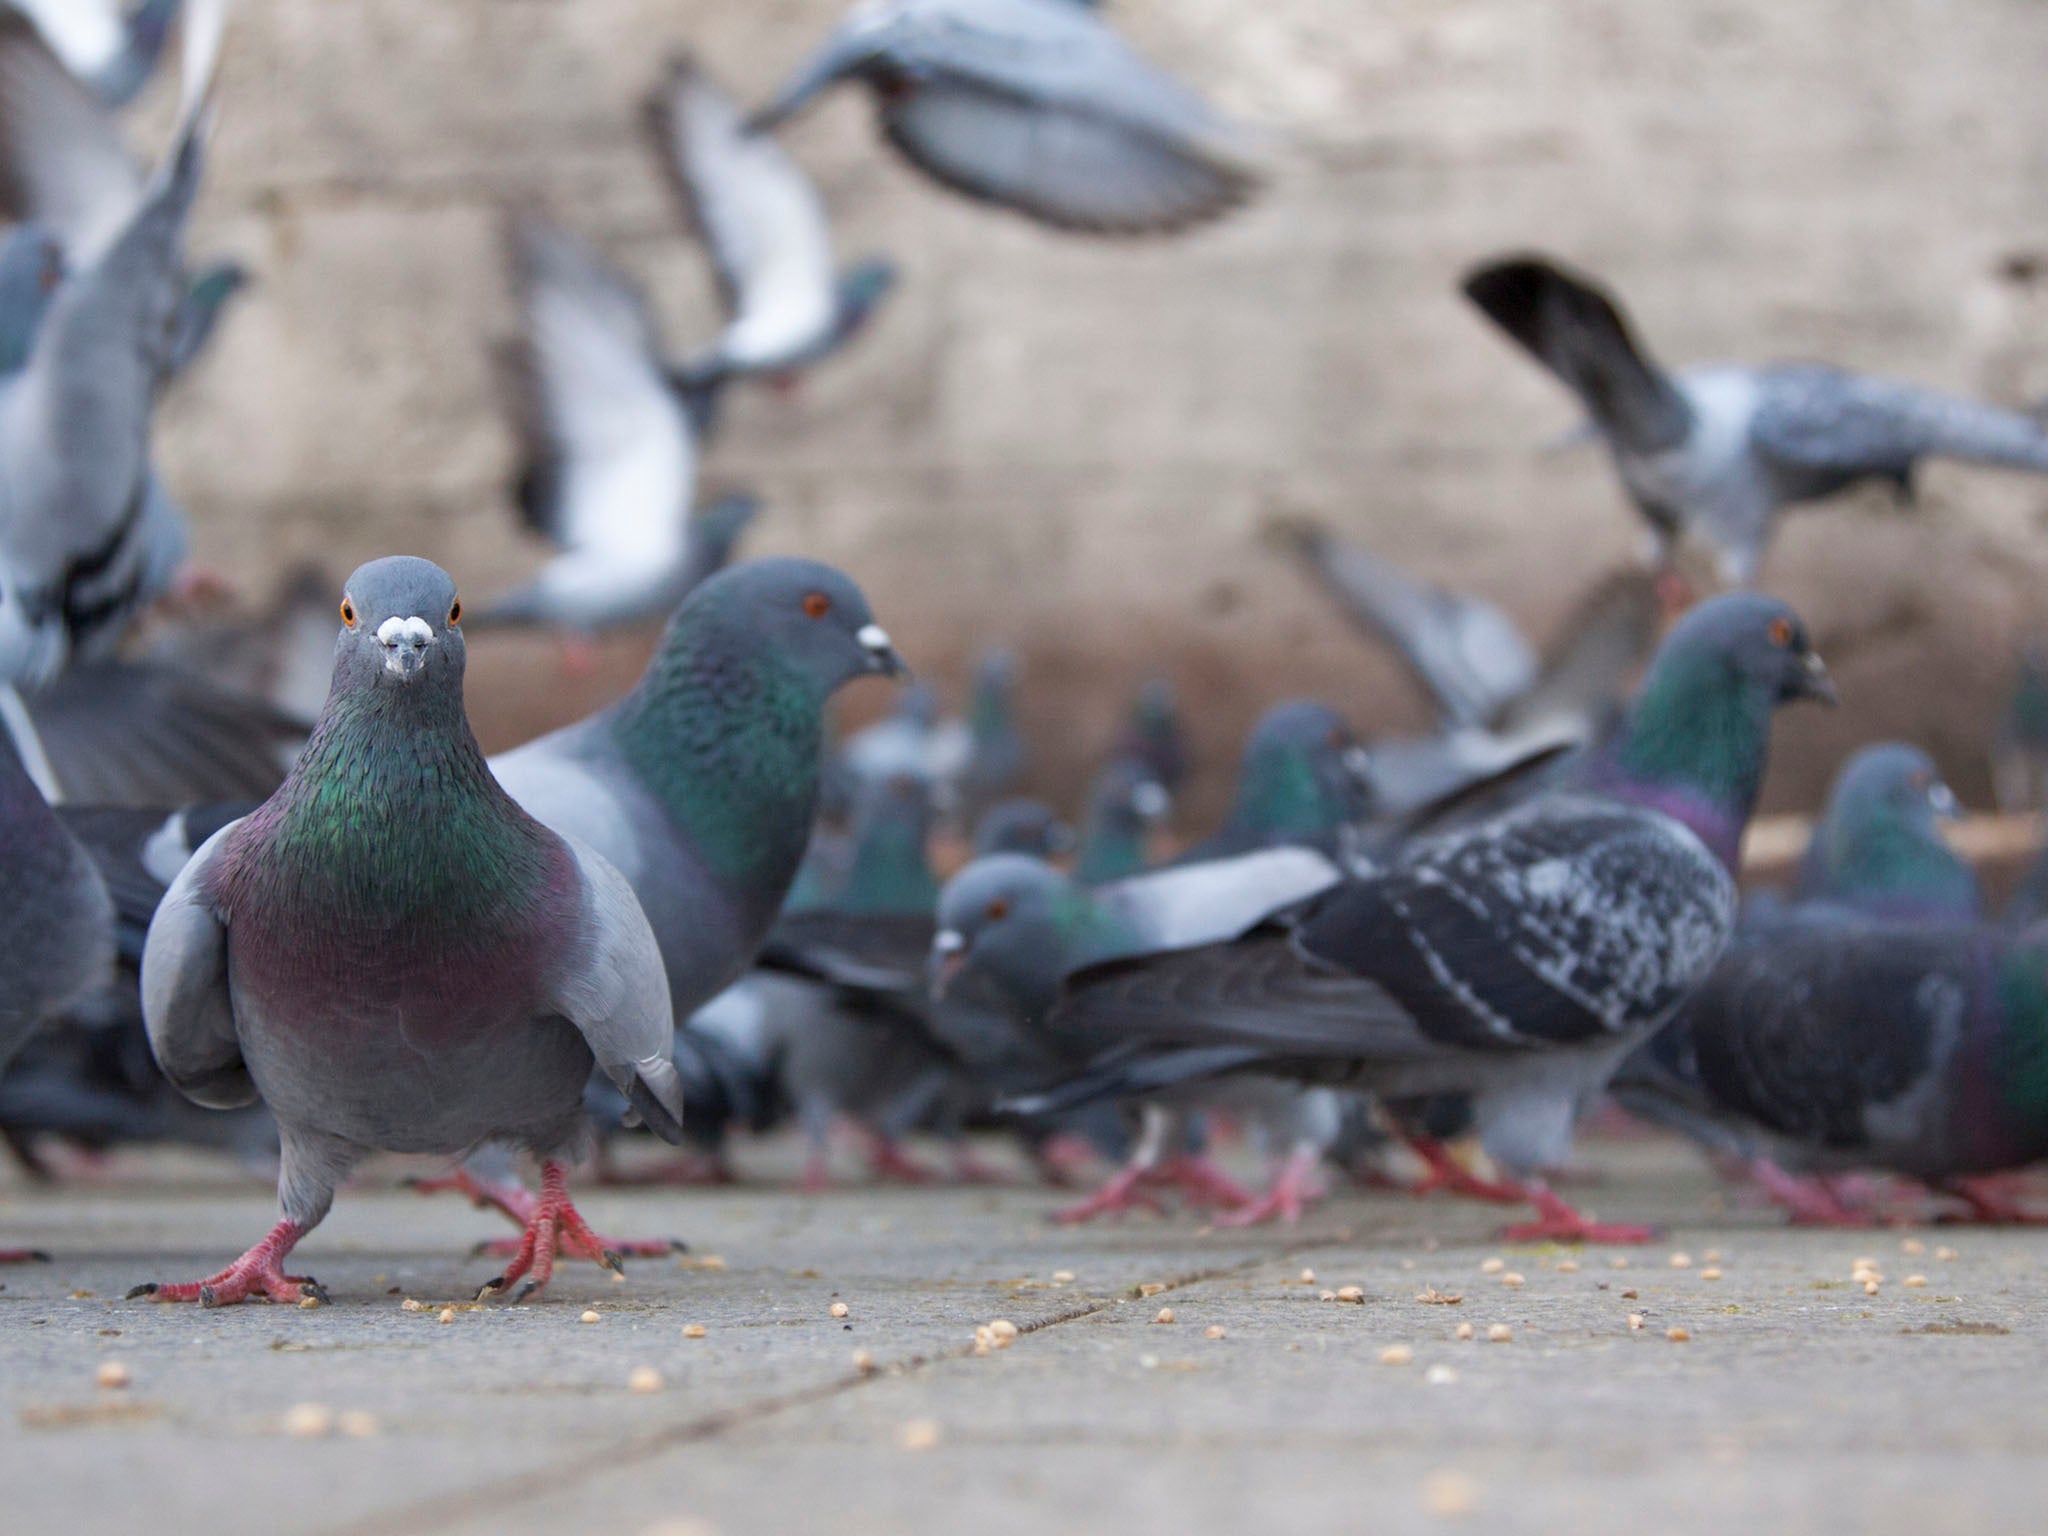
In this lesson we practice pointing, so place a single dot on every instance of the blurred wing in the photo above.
(1600, 648)
(62, 162)
(1208, 903)
(1822, 420)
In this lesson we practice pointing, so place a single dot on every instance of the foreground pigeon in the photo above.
(1717, 452)
(56, 920)
(764, 226)
(1035, 105)
(609, 445)
(1516, 960)
(396, 957)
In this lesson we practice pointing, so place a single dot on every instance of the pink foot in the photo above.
(889, 1162)
(970, 1169)
(1448, 1174)
(520, 1208)
(817, 1175)
(1810, 1201)
(1557, 1222)
(556, 1227)
(1290, 1192)
(1202, 1181)
(23, 1256)
(258, 1273)
(1063, 1161)
(1991, 1202)
(1120, 1194)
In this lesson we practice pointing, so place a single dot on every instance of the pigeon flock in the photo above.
(264, 892)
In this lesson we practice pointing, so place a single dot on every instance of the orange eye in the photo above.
(817, 605)
(1780, 632)
(455, 611)
(997, 910)
(348, 613)
(1336, 740)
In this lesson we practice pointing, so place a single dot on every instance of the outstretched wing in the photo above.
(1821, 421)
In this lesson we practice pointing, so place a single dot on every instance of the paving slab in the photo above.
(1795, 1402)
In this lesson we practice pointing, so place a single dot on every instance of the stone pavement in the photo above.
(1798, 1402)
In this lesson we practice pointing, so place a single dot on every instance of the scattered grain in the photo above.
(839, 1309)
(112, 1375)
(1944, 1254)
(1439, 1375)
(309, 1421)
(1492, 1266)
(1397, 1354)
(1213, 1331)
(644, 1378)
(1499, 1333)
(448, 1315)
(1449, 1495)
(409, 1305)
(1512, 1279)
(694, 1330)
(864, 1362)
(918, 1435)
(1165, 1315)
(1677, 1335)
(1567, 1266)
(1063, 1277)
(1916, 1281)
(1710, 1273)
(1680, 1261)
(1465, 1332)
(358, 1424)
(1635, 1322)
(1351, 1293)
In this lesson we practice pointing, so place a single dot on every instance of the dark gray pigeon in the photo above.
(1516, 960)
(1716, 452)
(1035, 105)
(396, 957)
(56, 920)
(763, 225)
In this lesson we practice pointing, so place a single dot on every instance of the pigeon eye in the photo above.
(455, 611)
(997, 910)
(348, 613)
(1781, 632)
(816, 605)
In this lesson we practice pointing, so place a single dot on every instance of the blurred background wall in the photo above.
(1072, 446)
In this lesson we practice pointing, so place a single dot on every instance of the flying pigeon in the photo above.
(396, 957)
(56, 920)
(1035, 105)
(112, 53)
(763, 225)
(1716, 452)
(1516, 960)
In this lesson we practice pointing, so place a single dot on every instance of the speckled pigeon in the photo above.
(1516, 960)
(56, 921)
(763, 225)
(1716, 452)
(396, 957)
(1035, 105)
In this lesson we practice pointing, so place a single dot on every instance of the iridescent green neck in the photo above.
(890, 877)
(1113, 849)
(2020, 1065)
(1890, 864)
(727, 738)
(1694, 745)
(1282, 797)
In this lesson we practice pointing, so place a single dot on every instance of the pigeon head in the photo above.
(1124, 804)
(1009, 917)
(31, 272)
(1024, 826)
(400, 628)
(1879, 845)
(810, 619)
(1697, 735)
(1304, 775)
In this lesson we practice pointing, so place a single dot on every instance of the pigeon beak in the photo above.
(405, 643)
(882, 654)
(1813, 681)
(1151, 801)
(948, 960)
(1943, 802)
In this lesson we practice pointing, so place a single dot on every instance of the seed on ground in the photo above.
(864, 1362)
(1354, 1293)
(1913, 1245)
(1397, 1354)
(1511, 1278)
(839, 1309)
(1619, 1261)
(1150, 1288)
(1492, 1266)
(1870, 1287)
(1567, 1266)
(410, 1305)
(1630, 1294)
(1465, 1331)
(588, 1317)
(1712, 1255)
(1710, 1273)
(448, 1316)
(644, 1378)
(1916, 1281)
(1439, 1375)
(1681, 1261)
(1449, 1495)
(694, 1330)
(1327, 1296)
(308, 1303)
(356, 1424)
(1063, 1277)
(1944, 1254)
(1003, 1328)
(1308, 1277)
(309, 1421)
(1213, 1331)
(1635, 1322)
(112, 1375)
(1165, 1315)
(918, 1434)
(1677, 1335)
(1499, 1333)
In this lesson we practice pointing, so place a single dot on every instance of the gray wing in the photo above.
(1578, 332)
(613, 988)
(1463, 650)
(1206, 903)
(186, 1005)
(123, 73)
(610, 459)
(62, 162)
(1601, 647)
(1816, 420)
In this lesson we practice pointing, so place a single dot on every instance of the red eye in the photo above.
(348, 613)
(1780, 632)
(817, 605)
(997, 910)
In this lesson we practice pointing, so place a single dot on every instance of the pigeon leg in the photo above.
(1203, 1181)
(1120, 1194)
(259, 1273)
(687, 1170)
(1810, 1201)
(524, 1211)
(23, 1256)
(970, 1168)
(889, 1162)
(512, 1202)
(1293, 1189)
(556, 1228)
(1557, 1222)
(1447, 1173)
(1062, 1160)
(1991, 1202)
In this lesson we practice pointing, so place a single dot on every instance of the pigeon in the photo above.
(610, 445)
(1035, 105)
(968, 763)
(1012, 930)
(1154, 737)
(111, 53)
(56, 919)
(1022, 825)
(1303, 779)
(1517, 959)
(1124, 804)
(2019, 753)
(88, 535)
(1716, 452)
(1878, 846)
(1839, 1042)
(764, 226)
(396, 957)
